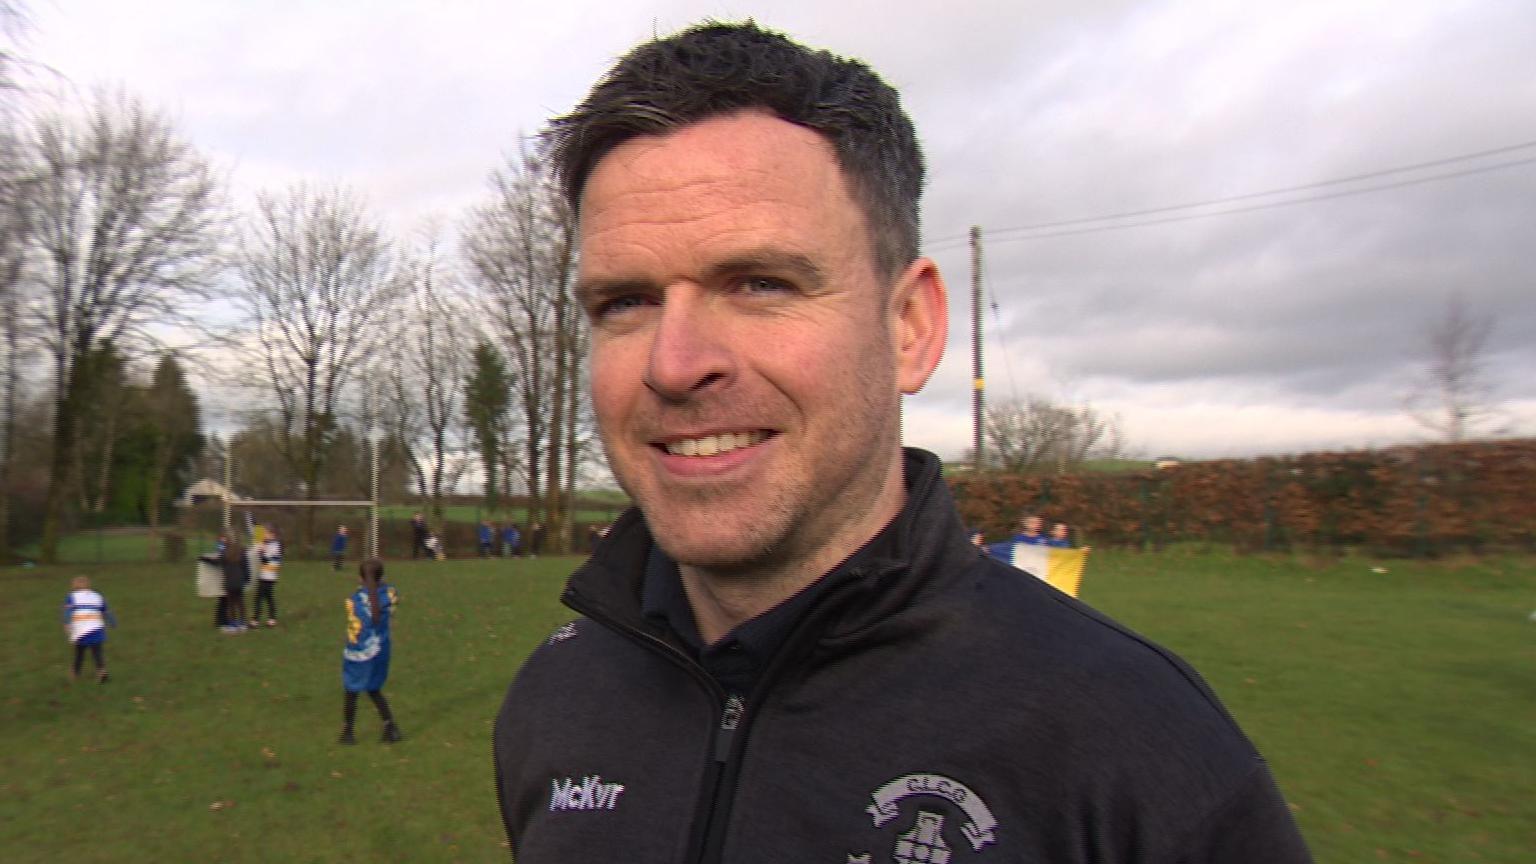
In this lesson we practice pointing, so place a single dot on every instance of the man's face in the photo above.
(744, 367)
(1032, 525)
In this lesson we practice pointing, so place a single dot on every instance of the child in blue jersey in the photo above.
(86, 617)
(1061, 536)
(1029, 535)
(486, 534)
(365, 660)
(339, 548)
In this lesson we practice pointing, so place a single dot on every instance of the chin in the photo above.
(715, 549)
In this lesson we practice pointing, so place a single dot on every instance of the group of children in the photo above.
(1030, 533)
(365, 655)
(231, 557)
(511, 538)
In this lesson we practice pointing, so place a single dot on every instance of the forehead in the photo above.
(737, 179)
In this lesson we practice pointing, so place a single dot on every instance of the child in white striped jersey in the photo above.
(86, 617)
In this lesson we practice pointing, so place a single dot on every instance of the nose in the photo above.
(689, 350)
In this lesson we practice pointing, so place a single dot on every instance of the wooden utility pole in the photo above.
(978, 399)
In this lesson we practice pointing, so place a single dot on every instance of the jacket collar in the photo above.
(926, 536)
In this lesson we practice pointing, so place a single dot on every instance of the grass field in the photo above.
(1397, 709)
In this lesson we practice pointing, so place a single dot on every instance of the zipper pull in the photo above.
(729, 720)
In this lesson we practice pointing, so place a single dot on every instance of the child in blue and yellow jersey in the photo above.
(365, 660)
(86, 617)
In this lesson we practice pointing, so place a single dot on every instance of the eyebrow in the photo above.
(769, 261)
(752, 261)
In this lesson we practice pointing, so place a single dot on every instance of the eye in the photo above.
(764, 285)
(618, 306)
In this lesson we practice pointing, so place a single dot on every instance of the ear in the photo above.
(920, 321)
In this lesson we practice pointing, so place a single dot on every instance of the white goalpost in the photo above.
(371, 544)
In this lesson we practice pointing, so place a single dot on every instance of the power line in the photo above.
(1355, 178)
(1271, 205)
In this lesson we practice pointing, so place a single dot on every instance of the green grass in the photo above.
(1397, 709)
(96, 546)
(132, 770)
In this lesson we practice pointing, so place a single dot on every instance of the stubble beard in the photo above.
(769, 533)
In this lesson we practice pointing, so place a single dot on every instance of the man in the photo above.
(419, 534)
(536, 539)
(790, 651)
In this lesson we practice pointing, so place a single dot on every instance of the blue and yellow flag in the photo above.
(1061, 568)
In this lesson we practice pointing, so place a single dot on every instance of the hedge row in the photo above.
(1422, 500)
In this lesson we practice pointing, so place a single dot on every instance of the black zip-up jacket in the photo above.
(936, 706)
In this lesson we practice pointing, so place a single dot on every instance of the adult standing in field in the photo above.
(266, 580)
(365, 659)
(792, 579)
(536, 539)
(419, 536)
(510, 537)
(215, 560)
(237, 573)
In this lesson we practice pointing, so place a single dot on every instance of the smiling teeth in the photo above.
(714, 445)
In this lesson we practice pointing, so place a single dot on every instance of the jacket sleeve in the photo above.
(1254, 826)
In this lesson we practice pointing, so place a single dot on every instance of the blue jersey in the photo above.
(365, 659)
(1004, 551)
(338, 543)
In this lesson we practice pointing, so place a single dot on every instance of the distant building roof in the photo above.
(203, 490)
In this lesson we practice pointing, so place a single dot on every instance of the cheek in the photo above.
(615, 378)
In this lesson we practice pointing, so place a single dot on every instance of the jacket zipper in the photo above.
(723, 783)
(722, 735)
(708, 839)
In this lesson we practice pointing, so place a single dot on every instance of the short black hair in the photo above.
(714, 69)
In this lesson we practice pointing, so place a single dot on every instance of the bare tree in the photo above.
(13, 245)
(521, 249)
(428, 376)
(127, 220)
(1452, 396)
(319, 283)
(1036, 434)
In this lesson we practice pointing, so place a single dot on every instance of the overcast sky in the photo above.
(1274, 329)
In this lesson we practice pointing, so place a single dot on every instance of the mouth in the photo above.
(715, 445)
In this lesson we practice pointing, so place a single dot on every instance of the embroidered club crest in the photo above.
(923, 842)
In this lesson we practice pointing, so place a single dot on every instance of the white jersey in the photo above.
(271, 559)
(87, 613)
